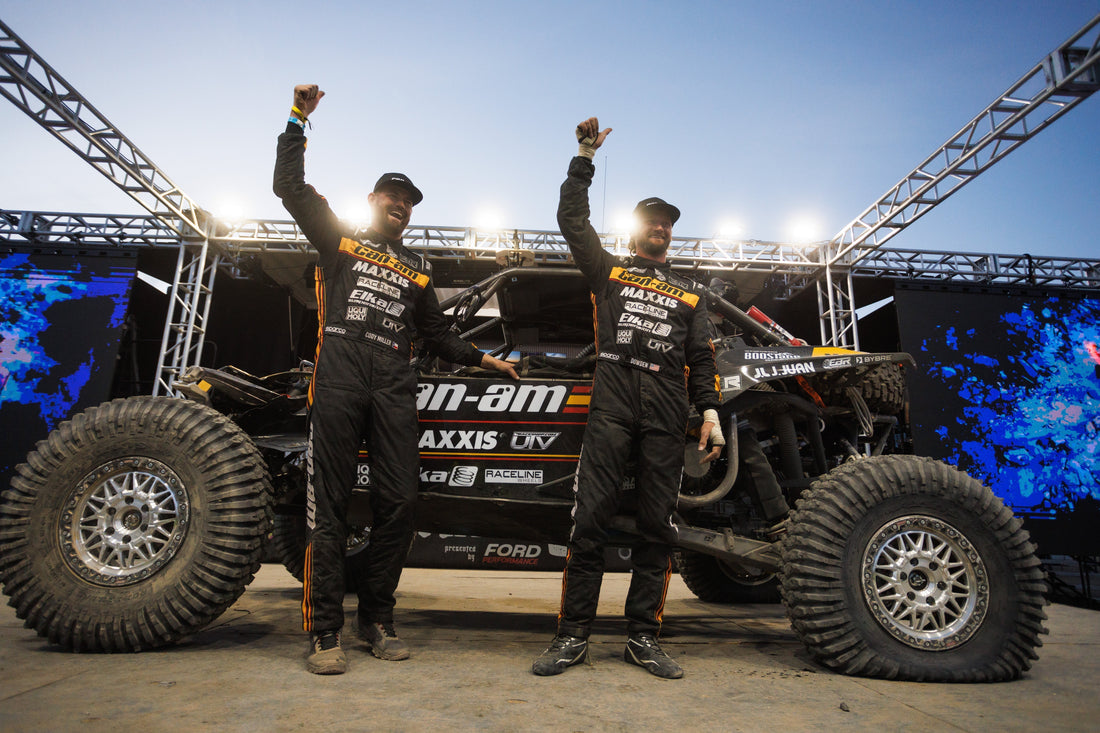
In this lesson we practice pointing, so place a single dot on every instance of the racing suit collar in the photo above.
(645, 262)
(375, 236)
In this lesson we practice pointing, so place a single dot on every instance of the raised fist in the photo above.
(306, 98)
(588, 133)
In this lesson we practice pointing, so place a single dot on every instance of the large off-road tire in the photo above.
(133, 524)
(715, 581)
(904, 568)
(289, 540)
(882, 388)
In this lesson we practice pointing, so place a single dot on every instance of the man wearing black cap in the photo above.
(653, 351)
(375, 296)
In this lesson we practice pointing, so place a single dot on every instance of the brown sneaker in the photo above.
(326, 656)
(382, 641)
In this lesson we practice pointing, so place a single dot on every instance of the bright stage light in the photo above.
(231, 211)
(730, 229)
(804, 228)
(488, 219)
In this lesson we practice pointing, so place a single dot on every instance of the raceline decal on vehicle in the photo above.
(509, 398)
(382, 260)
(645, 309)
(632, 321)
(837, 363)
(463, 476)
(379, 286)
(652, 284)
(532, 441)
(783, 370)
(514, 475)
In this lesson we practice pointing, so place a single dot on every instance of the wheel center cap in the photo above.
(918, 580)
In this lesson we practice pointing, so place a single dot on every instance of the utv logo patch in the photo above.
(533, 441)
(392, 325)
(660, 346)
(463, 476)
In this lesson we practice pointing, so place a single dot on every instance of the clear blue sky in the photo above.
(759, 113)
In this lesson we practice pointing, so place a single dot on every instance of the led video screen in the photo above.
(1007, 388)
(61, 318)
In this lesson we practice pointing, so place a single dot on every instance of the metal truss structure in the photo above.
(1054, 86)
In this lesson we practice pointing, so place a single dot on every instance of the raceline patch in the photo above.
(378, 286)
(645, 282)
(514, 475)
(645, 309)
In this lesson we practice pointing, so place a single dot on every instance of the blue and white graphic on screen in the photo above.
(1030, 427)
(32, 303)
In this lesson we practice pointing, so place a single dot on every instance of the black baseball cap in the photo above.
(401, 181)
(651, 204)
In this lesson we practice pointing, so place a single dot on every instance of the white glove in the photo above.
(716, 436)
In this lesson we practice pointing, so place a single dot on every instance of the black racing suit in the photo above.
(654, 349)
(375, 297)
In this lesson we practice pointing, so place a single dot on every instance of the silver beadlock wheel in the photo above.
(902, 567)
(924, 582)
(124, 521)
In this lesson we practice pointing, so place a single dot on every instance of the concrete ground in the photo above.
(474, 634)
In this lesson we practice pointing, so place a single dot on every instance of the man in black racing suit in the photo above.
(375, 296)
(653, 351)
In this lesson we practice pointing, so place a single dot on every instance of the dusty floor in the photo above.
(474, 634)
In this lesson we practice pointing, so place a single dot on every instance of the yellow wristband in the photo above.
(298, 112)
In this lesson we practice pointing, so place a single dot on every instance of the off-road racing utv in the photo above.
(139, 521)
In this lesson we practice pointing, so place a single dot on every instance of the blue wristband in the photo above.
(297, 122)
